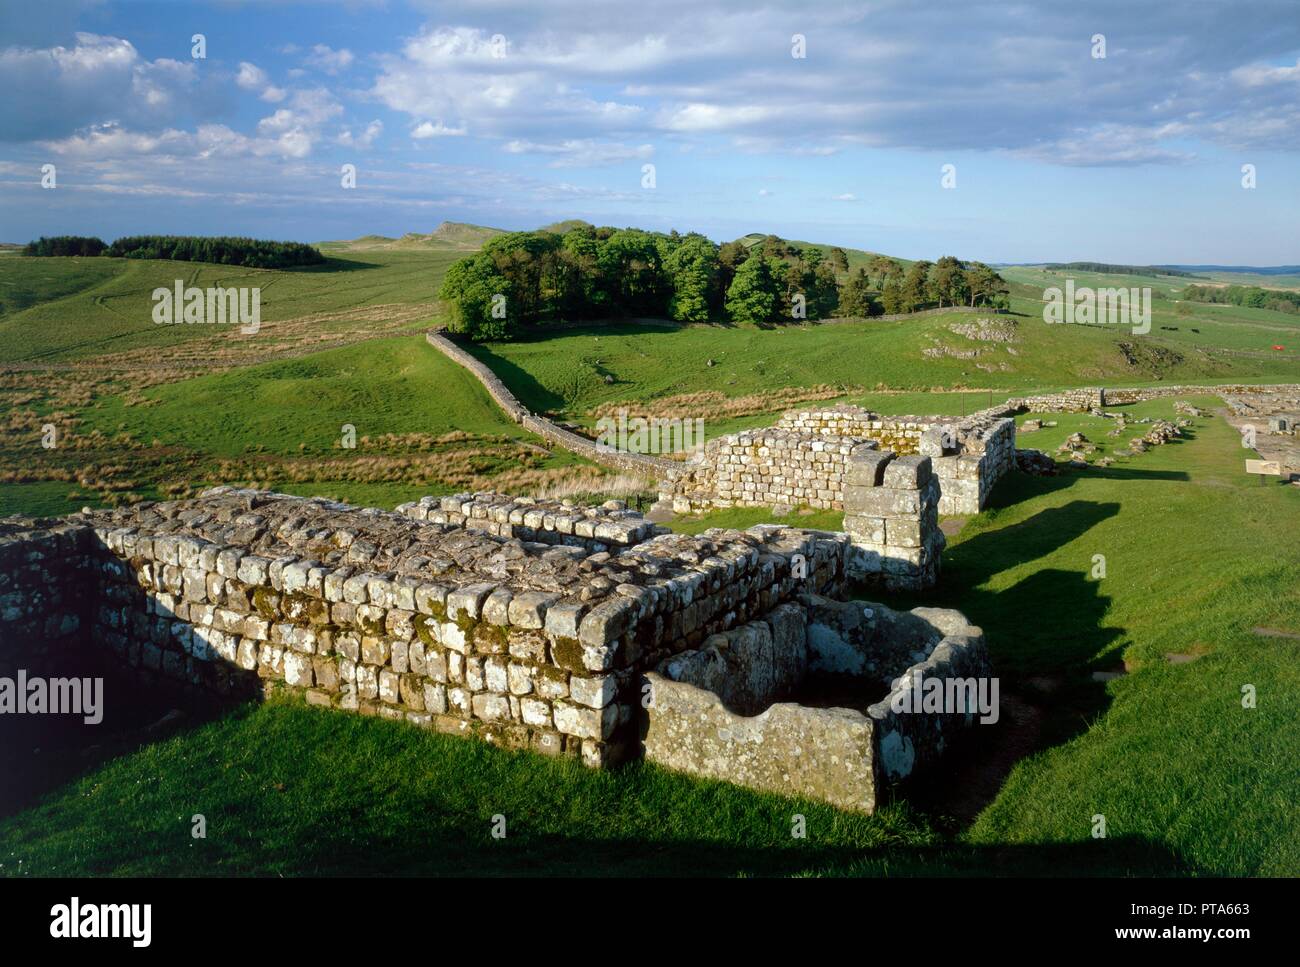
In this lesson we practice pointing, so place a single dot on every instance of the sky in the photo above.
(821, 121)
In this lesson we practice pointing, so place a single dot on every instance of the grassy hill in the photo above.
(64, 309)
(452, 236)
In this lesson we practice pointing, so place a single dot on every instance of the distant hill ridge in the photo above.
(448, 235)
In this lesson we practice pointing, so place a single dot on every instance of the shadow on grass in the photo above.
(461, 853)
(518, 380)
(40, 753)
(332, 264)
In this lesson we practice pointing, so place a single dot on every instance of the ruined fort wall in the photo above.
(45, 565)
(524, 644)
(610, 526)
(764, 468)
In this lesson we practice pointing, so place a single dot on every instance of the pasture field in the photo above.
(58, 310)
(580, 373)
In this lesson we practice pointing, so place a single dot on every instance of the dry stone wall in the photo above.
(801, 459)
(653, 467)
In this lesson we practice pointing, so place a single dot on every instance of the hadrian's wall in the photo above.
(637, 463)
(526, 644)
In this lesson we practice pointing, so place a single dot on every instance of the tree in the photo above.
(755, 291)
(947, 282)
(882, 267)
(916, 285)
(839, 260)
(857, 298)
(984, 286)
(472, 288)
(631, 260)
(892, 297)
(692, 270)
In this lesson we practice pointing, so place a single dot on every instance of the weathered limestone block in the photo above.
(787, 749)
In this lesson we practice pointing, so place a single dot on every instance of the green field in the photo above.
(68, 309)
(565, 373)
(1197, 556)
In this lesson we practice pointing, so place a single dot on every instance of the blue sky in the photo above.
(517, 114)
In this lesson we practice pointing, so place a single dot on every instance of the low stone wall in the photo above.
(712, 713)
(595, 529)
(652, 467)
(902, 434)
(764, 468)
(1083, 400)
(524, 644)
(890, 507)
(920, 313)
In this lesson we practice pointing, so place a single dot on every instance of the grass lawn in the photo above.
(1197, 555)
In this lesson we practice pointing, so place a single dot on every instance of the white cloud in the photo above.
(250, 76)
(581, 153)
(363, 140)
(714, 117)
(51, 92)
(847, 196)
(435, 129)
(329, 60)
(1261, 75)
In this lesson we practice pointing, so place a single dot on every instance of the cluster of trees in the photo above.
(1110, 269)
(65, 245)
(254, 252)
(1283, 300)
(523, 280)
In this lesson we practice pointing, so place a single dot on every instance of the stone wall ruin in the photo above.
(527, 644)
